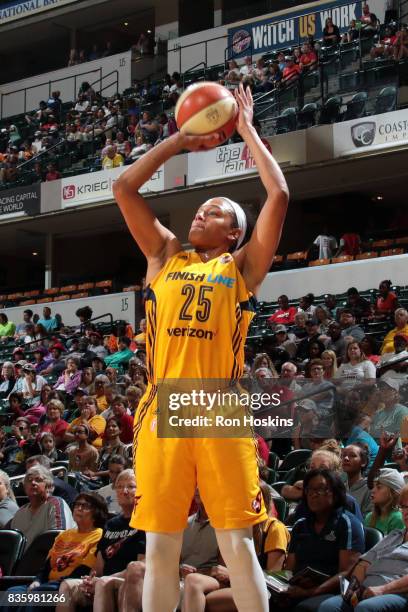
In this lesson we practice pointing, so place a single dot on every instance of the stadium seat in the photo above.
(382, 244)
(106, 284)
(51, 291)
(78, 296)
(281, 507)
(31, 294)
(69, 289)
(403, 240)
(342, 259)
(132, 288)
(32, 561)
(307, 116)
(367, 255)
(273, 461)
(356, 107)
(12, 543)
(86, 286)
(390, 252)
(62, 298)
(45, 300)
(386, 100)
(27, 302)
(319, 262)
(372, 537)
(330, 112)
(286, 122)
(294, 459)
(298, 256)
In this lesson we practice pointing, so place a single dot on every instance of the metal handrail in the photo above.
(192, 69)
(49, 83)
(178, 48)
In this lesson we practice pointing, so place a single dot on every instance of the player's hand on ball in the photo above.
(246, 108)
(199, 143)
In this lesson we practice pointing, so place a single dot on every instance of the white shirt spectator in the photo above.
(81, 106)
(327, 246)
(354, 373)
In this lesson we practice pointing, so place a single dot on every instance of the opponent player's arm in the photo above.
(154, 240)
(256, 257)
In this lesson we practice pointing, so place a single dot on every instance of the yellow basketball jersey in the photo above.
(197, 319)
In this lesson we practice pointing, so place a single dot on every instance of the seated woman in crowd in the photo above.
(112, 446)
(8, 506)
(329, 539)
(262, 360)
(119, 547)
(381, 572)
(54, 423)
(89, 417)
(320, 460)
(47, 446)
(386, 515)
(43, 511)
(212, 592)
(401, 327)
(87, 380)
(355, 367)
(7, 379)
(299, 329)
(354, 463)
(82, 456)
(322, 314)
(74, 550)
(70, 378)
(387, 301)
(329, 359)
(369, 347)
(32, 384)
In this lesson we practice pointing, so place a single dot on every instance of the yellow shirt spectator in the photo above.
(112, 159)
(401, 321)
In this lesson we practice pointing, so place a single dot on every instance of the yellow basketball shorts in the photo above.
(169, 469)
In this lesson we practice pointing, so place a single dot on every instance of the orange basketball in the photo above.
(207, 108)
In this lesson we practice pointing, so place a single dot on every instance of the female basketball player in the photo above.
(180, 298)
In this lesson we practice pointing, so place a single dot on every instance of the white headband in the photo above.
(241, 219)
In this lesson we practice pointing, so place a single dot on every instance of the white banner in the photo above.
(17, 10)
(97, 186)
(370, 133)
(221, 162)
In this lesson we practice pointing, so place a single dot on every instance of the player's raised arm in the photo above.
(255, 258)
(155, 241)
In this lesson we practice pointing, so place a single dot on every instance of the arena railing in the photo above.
(54, 84)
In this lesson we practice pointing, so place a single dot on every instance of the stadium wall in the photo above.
(120, 305)
(24, 95)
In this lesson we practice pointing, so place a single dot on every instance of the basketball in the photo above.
(207, 108)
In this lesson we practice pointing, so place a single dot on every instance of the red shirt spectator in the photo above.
(350, 244)
(291, 71)
(285, 314)
(387, 304)
(119, 408)
(52, 174)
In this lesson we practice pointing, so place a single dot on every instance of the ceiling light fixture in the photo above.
(35, 253)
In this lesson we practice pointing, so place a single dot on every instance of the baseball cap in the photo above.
(392, 383)
(280, 328)
(58, 345)
(40, 349)
(28, 367)
(18, 349)
(20, 364)
(391, 478)
(306, 404)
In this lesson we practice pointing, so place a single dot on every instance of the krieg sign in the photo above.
(370, 133)
(97, 186)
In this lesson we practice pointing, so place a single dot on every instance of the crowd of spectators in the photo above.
(71, 394)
